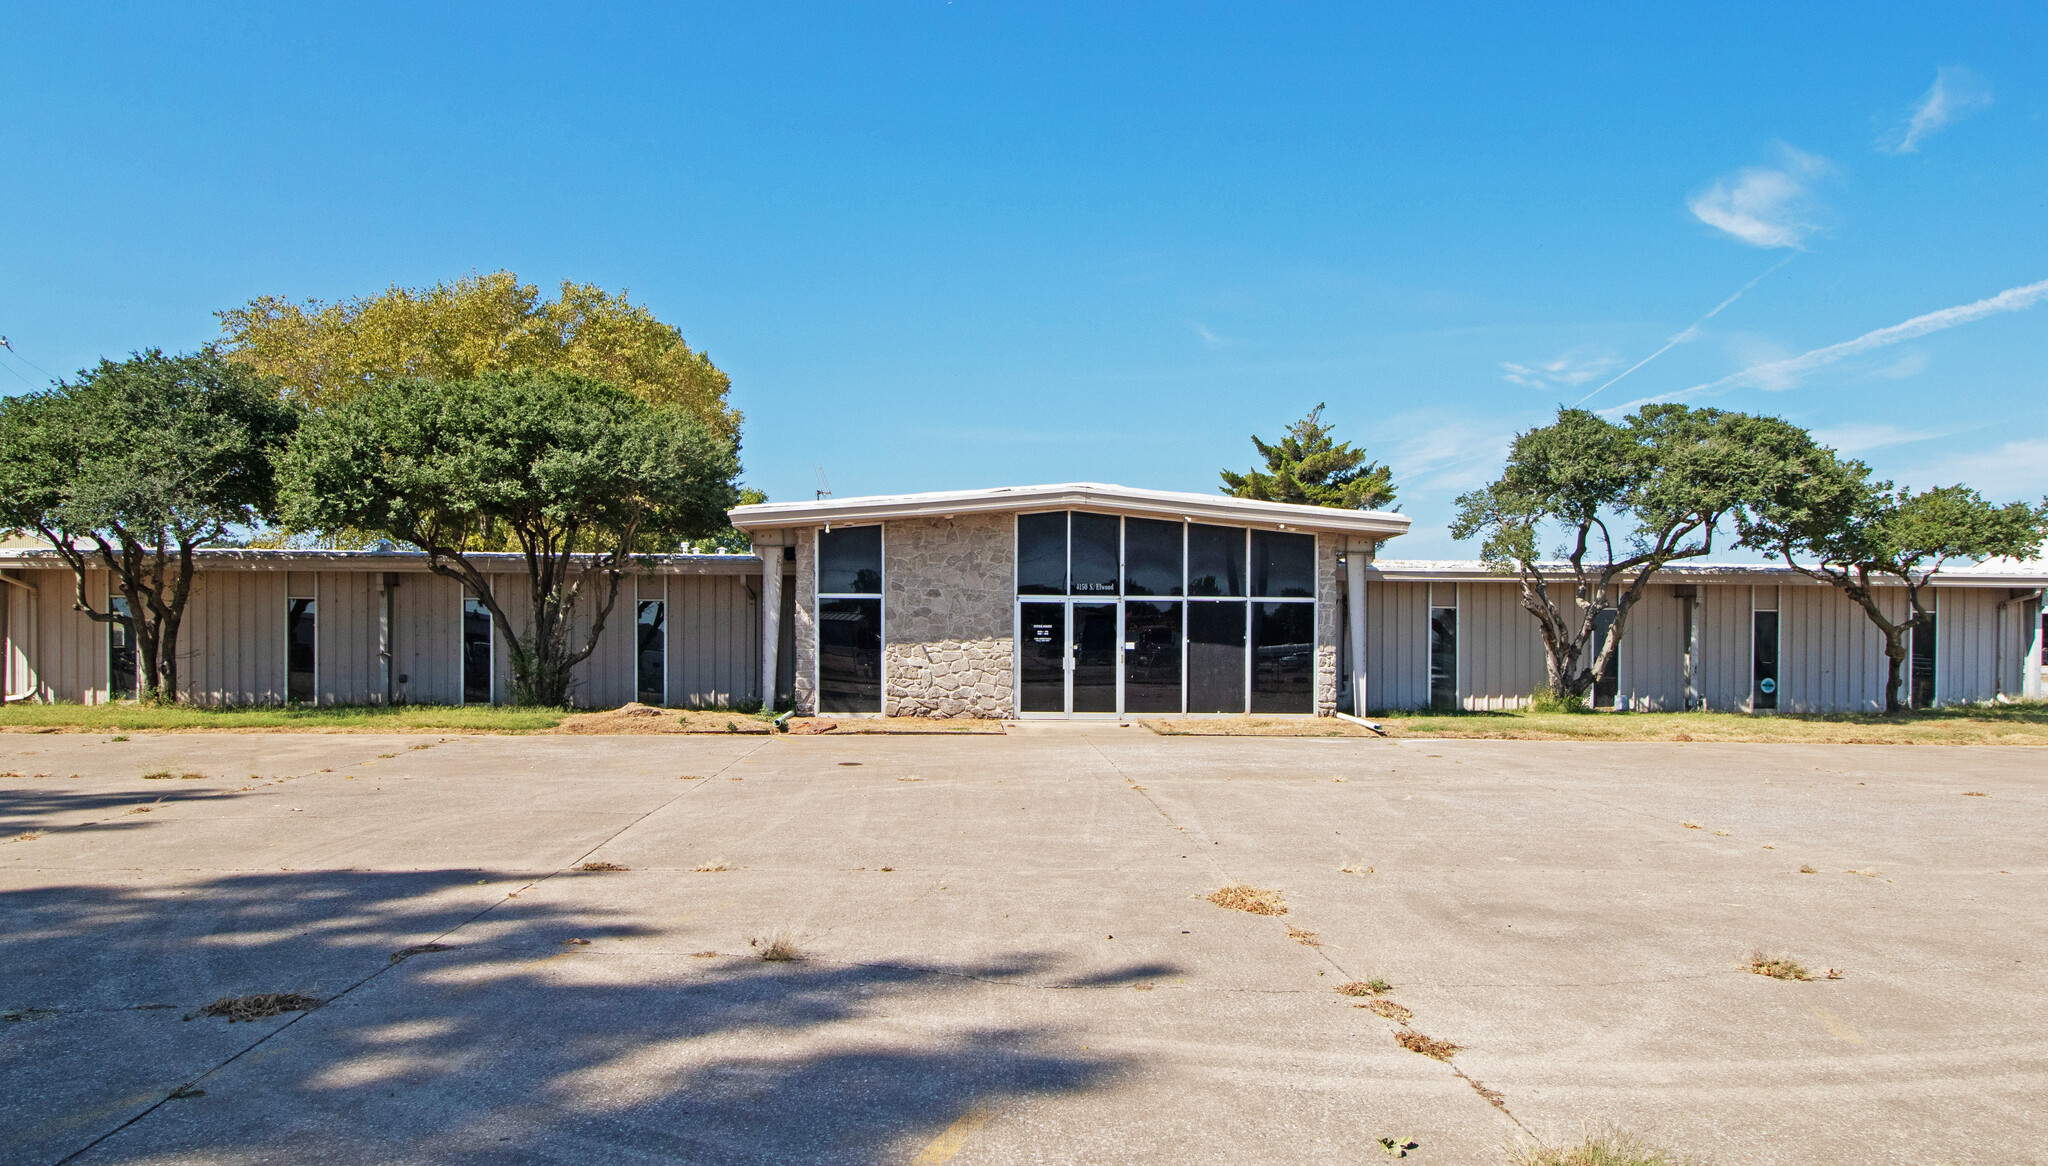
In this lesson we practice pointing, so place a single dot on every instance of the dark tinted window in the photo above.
(1766, 660)
(476, 652)
(650, 665)
(1216, 656)
(1095, 554)
(1283, 657)
(850, 655)
(1923, 665)
(1151, 557)
(1042, 554)
(1215, 561)
(120, 654)
(850, 561)
(1443, 657)
(1283, 565)
(1152, 657)
(298, 650)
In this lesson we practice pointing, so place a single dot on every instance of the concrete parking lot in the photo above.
(1005, 951)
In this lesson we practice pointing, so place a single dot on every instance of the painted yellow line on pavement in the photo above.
(1836, 1027)
(947, 1144)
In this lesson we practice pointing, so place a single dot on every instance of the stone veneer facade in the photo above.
(1329, 622)
(804, 686)
(947, 616)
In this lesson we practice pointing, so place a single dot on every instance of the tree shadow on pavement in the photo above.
(509, 1046)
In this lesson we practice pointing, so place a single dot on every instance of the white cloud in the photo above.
(1956, 93)
(1765, 206)
(1449, 457)
(1209, 339)
(1568, 370)
(2015, 470)
(1857, 437)
(1783, 374)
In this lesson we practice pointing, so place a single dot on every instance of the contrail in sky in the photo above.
(1690, 331)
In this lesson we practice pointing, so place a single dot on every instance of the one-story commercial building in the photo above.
(1065, 601)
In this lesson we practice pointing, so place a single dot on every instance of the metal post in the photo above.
(1355, 560)
(771, 617)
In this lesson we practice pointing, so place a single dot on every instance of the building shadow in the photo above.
(510, 1046)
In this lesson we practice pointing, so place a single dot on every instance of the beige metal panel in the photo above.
(1652, 657)
(515, 595)
(232, 644)
(1397, 645)
(302, 584)
(1966, 644)
(345, 638)
(1724, 672)
(1830, 656)
(605, 680)
(428, 640)
(714, 639)
(71, 648)
(1501, 653)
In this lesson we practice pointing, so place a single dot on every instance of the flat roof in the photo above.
(1169, 504)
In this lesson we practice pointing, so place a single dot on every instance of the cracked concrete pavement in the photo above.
(1007, 956)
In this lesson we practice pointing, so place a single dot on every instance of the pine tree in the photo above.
(1309, 467)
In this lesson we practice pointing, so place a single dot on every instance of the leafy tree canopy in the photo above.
(1626, 499)
(1310, 467)
(576, 474)
(134, 465)
(327, 353)
(1833, 523)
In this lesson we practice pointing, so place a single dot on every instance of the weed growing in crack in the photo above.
(1252, 900)
(1777, 967)
(1600, 1146)
(1428, 1046)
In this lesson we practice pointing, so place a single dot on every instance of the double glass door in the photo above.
(1067, 657)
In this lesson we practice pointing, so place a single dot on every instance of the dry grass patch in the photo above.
(715, 866)
(261, 1006)
(594, 867)
(775, 949)
(1251, 900)
(1777, 967)
(1372, 987)
(28, 836)
(1809, 870)
(1389, 1010)
(1428, 1046)
(406, 953)
(1975, 794)
(1304, 937)
(1257, 727)
(1605, 1146)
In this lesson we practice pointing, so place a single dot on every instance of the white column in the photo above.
(771, 617)
(1355, 558)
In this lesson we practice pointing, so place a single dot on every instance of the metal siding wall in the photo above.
(1652, 657)
(1830, 656)
(1397, 645)
(1966, 644)
(71, 647)
(428, 639)
(1724, 672)
(231, 647)
(1502, 652)
(605, 680)
(714, 640)
(345, 624)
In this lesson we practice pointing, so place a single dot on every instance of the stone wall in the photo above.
(1329, 623)
(947, 616)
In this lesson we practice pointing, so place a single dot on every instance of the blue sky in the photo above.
(945, 245)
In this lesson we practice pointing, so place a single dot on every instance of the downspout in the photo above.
(1998, 642)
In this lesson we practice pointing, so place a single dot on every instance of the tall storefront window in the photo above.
(850, 620)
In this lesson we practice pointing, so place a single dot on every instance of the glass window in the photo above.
(1766, 657)
(1095, 655)
(1443, 657)
(1042, 658)
(1216, 562)
(1923, 664)
(1095, 554)
(1042, 554)
(1283, 657)
(1151, 557)
(120, 653)
(850, 561)
(1283, 565)
(850, 655)
(476, 652)
(300, 646)
(1152, 639)
(651, 662)
(1607, 685)
(1216, 656)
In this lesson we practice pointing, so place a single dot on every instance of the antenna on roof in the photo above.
(824, 487)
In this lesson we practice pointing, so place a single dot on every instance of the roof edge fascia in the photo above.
(1069, 496)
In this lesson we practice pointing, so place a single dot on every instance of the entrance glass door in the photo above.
(1042, 657)
(1095, 657)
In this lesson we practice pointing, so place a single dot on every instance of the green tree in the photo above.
(328, 353)
(1628, 499)
(1857, 534)
(577, 474)
(1311, 468)
(132, 467)
(729, 540)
